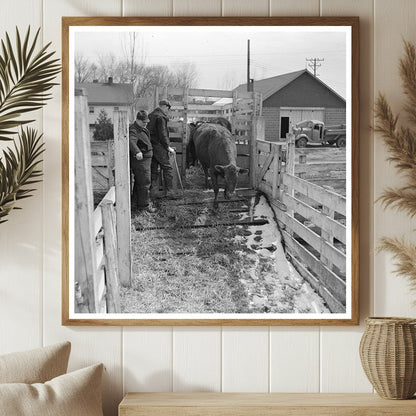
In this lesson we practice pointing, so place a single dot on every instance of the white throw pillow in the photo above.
(35, 366)
(73, 394)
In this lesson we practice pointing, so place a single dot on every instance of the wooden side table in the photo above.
(254, 404)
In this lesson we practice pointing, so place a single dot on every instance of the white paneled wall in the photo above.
(259, 359)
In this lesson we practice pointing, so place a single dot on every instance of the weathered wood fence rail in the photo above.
(106, 258)
(102, 164)
(312, 220)
(101, 236)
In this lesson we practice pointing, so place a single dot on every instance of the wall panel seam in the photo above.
(42, 278)
(320, 359)
(374, 161)
(172, 359)
(269, 355)
(123, 385)
(221, 359)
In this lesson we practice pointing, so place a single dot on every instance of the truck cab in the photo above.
(308, 131)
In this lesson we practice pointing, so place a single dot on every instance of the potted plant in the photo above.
(26, 77)
(388, 345)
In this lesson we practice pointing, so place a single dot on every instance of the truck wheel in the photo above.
(341, 142)
(302, 142)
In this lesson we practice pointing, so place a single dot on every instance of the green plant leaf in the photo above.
(25, 79)
(19, 170)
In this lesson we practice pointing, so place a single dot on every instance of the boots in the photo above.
(171, 194)
(150, 209)
(154, 189)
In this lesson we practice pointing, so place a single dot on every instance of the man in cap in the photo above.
(159, 135)
(141, 153)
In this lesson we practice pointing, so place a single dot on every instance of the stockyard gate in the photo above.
(277, 246)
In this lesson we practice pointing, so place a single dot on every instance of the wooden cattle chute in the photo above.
(102, 163)
(312, 220)
(101, 236)
(191, 105)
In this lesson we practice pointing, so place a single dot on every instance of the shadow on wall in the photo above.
(160, 381)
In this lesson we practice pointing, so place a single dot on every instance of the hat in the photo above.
(165, 102)
(142, 115)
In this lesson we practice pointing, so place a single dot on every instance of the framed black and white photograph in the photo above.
(210, 171)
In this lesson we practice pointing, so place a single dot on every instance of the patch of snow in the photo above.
(266, 241)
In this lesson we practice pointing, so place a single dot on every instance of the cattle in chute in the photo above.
(216, 150)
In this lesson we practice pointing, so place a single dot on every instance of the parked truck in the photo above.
(315, 131)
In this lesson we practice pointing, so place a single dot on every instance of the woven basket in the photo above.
(388, 356)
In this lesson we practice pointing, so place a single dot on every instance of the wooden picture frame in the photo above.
(312, 191)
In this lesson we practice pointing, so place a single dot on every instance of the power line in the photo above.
(314, 63)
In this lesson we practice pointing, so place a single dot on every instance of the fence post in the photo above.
(156, 98)
(233, 113)
(122, 185)
(110, 158)
(185, 138)
(290, 154)
(290, 167)
(277, 162)
(85, 264)
(111, 266)
(257, 133)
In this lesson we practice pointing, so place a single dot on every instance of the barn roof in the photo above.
(107, 93)
(269, 86)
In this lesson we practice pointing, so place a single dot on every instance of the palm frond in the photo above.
(19, 168)
(25, 79)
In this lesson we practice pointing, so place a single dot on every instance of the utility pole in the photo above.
(314, 63)
(249, 80)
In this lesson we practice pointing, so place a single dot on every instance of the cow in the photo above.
(216, 150)
(191, 158)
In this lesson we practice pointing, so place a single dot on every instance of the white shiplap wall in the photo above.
(261, 359)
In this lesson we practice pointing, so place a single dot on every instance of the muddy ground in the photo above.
(190, 258)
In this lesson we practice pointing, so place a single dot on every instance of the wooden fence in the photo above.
(102, 236)
(102, 164)
(312, 220)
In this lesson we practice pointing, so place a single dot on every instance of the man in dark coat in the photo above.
(141, 153)
(159, 136)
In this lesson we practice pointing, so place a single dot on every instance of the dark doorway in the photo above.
(284, 127)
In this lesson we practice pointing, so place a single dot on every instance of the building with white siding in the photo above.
(108, 96)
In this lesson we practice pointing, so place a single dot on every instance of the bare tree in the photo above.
(186, 75)
(229, 81)
(134, 54)
(83, 69)
(107, 67)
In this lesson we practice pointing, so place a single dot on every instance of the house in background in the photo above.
(108, 96)
(293, 97)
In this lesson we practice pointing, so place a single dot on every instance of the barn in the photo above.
(295, 96)
(108, 96)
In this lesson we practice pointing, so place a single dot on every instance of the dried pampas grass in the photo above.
(401, 143)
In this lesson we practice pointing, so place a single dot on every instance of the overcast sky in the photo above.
(220, 54)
